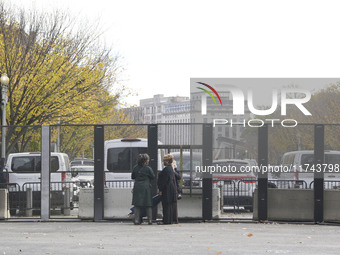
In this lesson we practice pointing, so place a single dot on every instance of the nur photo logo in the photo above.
(279, 98)
(204, 99)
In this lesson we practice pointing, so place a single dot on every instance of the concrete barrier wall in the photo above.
(190, 206)
(288, 204)
(298, 205)
(117, 204)
(331, 205)
(4, 206)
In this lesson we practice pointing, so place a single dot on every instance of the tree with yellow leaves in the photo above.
(59, 72)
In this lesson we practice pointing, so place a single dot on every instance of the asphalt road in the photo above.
(185, 238)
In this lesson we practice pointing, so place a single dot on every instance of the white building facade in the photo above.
(171, 113)
(180, 121)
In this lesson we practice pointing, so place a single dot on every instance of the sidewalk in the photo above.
(186, 238)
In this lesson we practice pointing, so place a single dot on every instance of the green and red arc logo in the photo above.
(209, 93)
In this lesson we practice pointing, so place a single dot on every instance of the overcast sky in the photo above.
(165, 43)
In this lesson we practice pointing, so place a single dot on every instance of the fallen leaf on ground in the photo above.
(249, 234)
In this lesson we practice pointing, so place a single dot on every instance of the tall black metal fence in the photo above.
(293, 154)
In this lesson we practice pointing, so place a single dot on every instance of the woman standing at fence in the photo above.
(168, 189)
(142, 197)
(177, 176)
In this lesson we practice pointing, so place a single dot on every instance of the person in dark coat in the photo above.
(179, 191)
(142, 196)
(168, 189)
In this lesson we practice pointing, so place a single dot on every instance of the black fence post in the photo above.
(263, 176)
(207, 178)
(319, 134)
(98, 173)
(153, 153)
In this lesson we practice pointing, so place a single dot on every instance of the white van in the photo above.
(300, 164)
(24, 171)
(26, 168)
(120, 158)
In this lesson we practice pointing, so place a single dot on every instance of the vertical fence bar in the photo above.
(263, 177)
(153, 153)
(319, 134)
(29, 202)
(207, 178)
(98, 173)
(45, 173)
(67, 195)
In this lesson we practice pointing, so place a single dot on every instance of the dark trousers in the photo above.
(174, 213)
(138, 215)
(168, 212)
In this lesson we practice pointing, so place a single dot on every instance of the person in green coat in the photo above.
(142, 197)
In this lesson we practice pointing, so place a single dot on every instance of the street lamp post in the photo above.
(4, 82)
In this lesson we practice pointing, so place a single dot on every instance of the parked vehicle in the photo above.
(83, 177)
(189, 175)
(82, 162)
(301, 168)
(237, 181)
(120, 158)
(24, 171)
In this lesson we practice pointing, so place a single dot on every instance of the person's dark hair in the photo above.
(142, 159)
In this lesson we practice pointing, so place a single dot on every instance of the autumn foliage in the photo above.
(60, 72)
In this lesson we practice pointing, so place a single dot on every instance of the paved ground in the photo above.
(186, 238)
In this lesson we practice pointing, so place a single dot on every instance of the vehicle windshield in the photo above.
(87, 162)
(122, 160)
(82, 171)
(186, 163)
(85, 171)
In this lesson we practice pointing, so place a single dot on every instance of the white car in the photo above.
(187, 168)
(82, 162)
(237, 181)
(83, 175)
